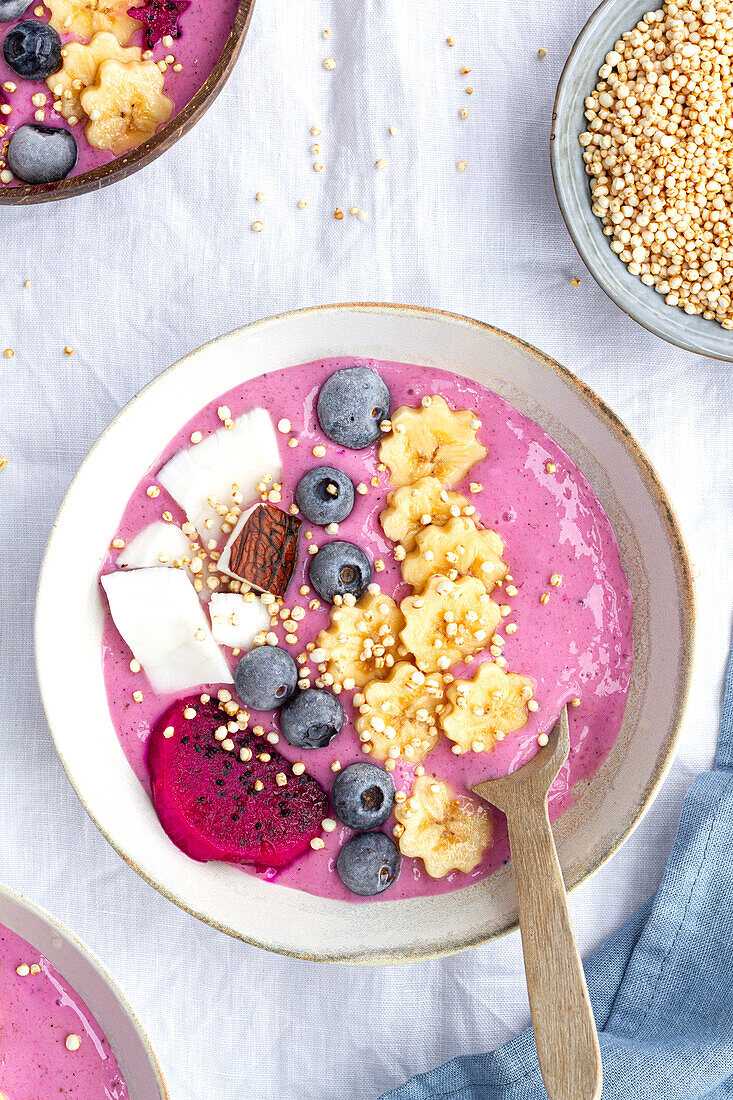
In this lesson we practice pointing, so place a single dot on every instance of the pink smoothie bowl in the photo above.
(87, 985)
(192, 93)
(607, 804)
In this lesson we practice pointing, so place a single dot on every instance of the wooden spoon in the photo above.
(562, 1016)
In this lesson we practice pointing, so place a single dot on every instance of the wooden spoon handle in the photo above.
(562, 1016)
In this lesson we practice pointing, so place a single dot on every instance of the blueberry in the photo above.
(362, 796)
(325, 495)
(339, 569)
(266, 677)
(11, 9)
(41, 154)
(368, 863)
(351, 405)
(33, 49)
(311, 719)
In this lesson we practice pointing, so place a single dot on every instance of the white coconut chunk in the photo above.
(158, 544)
(235, 621)
(160, 617)
(202, 476)
(226, 553)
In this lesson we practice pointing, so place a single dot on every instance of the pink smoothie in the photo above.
(39, 1011)
(577, 645)
(205, 27)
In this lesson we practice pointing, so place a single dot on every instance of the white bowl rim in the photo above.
(19, 899)
(651, 477)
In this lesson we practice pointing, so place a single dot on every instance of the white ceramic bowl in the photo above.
(69, 606)
(578, 79)
(92, 982)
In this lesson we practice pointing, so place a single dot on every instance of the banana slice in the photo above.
(433, 440)
(80, 64)
(84, 18)
(448, 832)
(456, 549)
(410, 508)
(483, 710)
(125, 105)
(362, 641)
(447, 621)
(399, 715)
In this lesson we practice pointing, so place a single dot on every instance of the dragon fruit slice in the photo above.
(214, 805)
(159, 18)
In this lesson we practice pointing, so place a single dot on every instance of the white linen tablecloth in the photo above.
(139, 274)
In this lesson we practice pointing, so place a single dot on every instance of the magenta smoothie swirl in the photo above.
(50, 1043)
(558, 620)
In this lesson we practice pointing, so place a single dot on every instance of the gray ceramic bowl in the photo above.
(642, 303)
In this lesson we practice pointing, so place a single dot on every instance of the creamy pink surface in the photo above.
(205, 27)
(579, 644)
(37, 1013)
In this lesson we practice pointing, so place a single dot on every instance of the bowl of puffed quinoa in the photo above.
(642, 161)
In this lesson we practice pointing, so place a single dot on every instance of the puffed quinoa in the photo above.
(659, 152)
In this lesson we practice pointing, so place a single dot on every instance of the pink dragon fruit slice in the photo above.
(215, 805)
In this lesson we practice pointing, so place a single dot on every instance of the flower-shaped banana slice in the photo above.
(125, 105)
(448, 832)
(84, 18)
(458, 548)
(432, 440)
(412, 507)
(362, 641)
(399, 715)
(447, 621)
(483, 710)
(79, 70)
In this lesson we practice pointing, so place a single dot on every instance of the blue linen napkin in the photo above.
(661, 986)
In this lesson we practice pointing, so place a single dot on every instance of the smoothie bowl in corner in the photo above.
(92, 89)
(319, 597)
(65, 1029)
